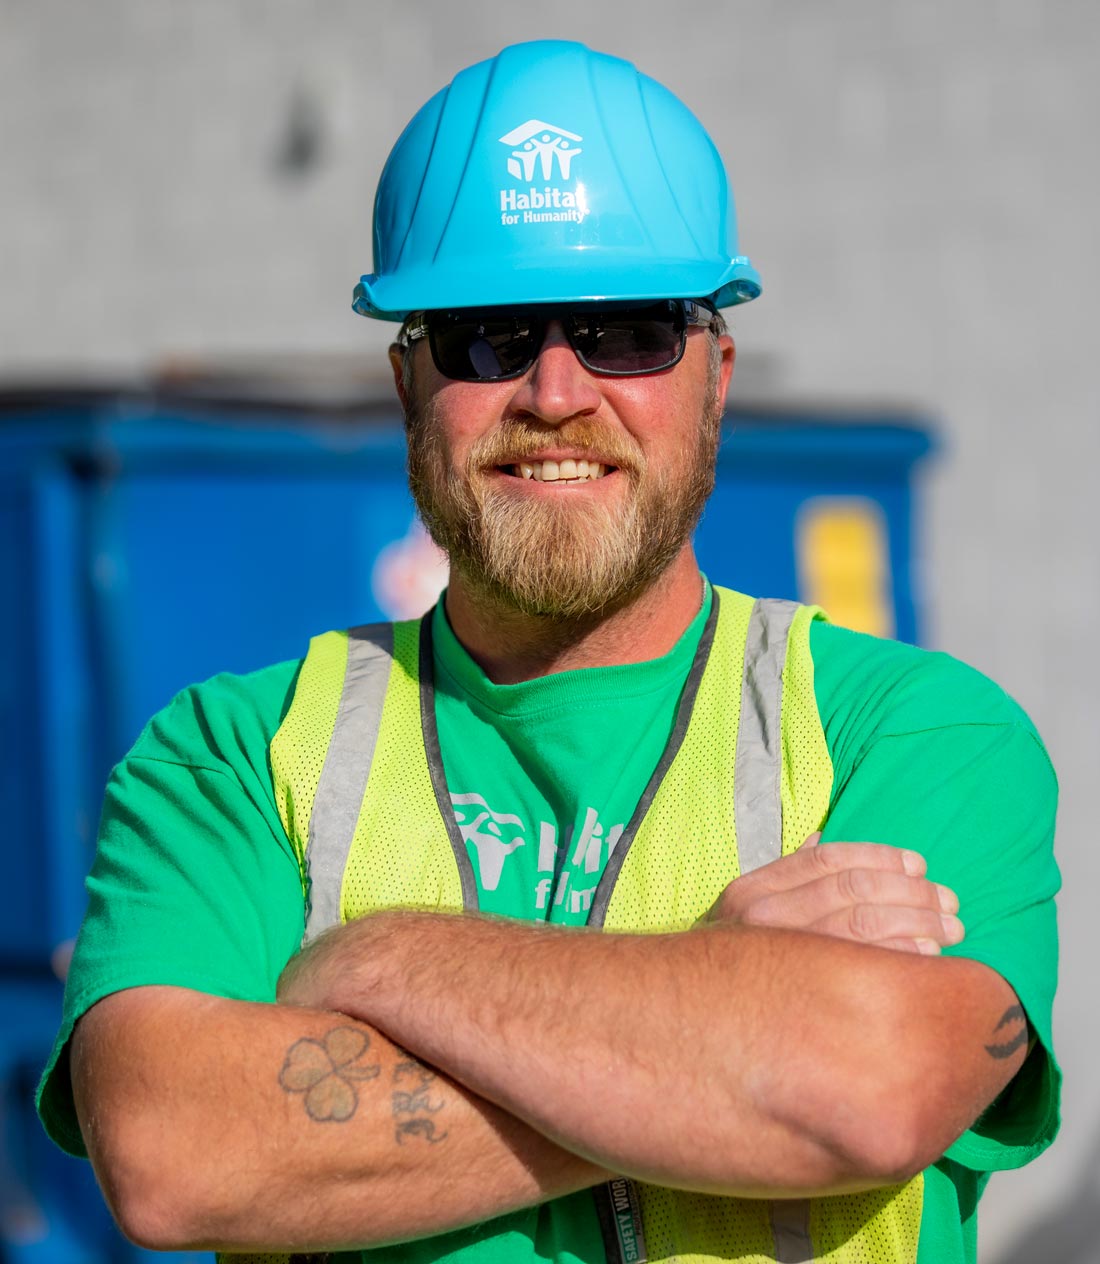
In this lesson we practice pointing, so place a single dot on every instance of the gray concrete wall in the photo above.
(917, 182)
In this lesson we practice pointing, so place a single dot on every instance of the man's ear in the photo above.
(397, 363)
(725, 370)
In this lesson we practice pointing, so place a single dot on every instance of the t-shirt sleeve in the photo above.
(195, 883)
(934, 757)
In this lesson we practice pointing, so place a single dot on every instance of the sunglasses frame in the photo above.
(688, 312)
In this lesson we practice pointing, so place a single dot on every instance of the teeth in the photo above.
(566, 471)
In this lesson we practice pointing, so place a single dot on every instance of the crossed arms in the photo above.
(428, 1071)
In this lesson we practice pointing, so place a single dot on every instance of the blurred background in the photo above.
(185, 194)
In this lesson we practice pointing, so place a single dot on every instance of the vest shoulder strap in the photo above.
(758, 763)
(321, 757)
(783, 773)
(343, 779)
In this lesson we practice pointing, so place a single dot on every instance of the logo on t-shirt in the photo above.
(487, 831)
(571, 878)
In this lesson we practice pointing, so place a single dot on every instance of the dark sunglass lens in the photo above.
(472, 350)
(638, 340)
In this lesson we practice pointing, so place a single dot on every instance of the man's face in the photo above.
(498, 471)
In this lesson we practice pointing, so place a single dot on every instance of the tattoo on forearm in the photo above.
(411, 1070)
(327, 1071)
(1015, 1020)
(424, 1128)
(412, 1104)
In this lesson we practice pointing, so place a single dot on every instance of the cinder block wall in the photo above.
(918, 184)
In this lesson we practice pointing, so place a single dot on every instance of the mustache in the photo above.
(518, 440)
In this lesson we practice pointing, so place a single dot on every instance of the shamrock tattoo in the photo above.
(327, 1071)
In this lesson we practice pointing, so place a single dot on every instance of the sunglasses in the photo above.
(614, 339)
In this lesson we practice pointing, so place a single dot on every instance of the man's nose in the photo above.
(557, 386)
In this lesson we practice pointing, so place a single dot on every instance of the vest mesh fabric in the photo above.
(402, 855)
(699, 1228)
(879, 1226)
(299, 747)
(661, 887)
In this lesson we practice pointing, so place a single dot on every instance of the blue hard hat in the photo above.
(552, 173)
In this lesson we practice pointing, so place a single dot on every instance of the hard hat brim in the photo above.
(395, 296)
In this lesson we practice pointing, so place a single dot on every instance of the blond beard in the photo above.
(573, 557)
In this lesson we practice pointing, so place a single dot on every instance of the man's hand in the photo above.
(868, 893)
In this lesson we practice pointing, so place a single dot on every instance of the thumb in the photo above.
(813, 839)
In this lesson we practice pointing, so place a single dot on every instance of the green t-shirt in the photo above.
(927, 754)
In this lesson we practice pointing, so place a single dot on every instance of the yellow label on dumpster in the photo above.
(843, 557)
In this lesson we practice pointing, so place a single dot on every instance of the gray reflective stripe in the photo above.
(343, 780)
(791, 1227)
(758, 764)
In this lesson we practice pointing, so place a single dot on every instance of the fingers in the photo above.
(865, 892)
(816, 880)
(885, 925)
(812, 861)
(852, 893)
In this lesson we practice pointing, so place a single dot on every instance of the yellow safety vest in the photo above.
(746, 776)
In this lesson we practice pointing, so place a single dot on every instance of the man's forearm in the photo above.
(730, 1059)
(219, 1124)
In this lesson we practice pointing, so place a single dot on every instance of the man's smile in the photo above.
(567, 470)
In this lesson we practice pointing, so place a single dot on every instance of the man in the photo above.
(768, 1055)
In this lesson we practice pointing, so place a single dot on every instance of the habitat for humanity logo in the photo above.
(544, 153)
